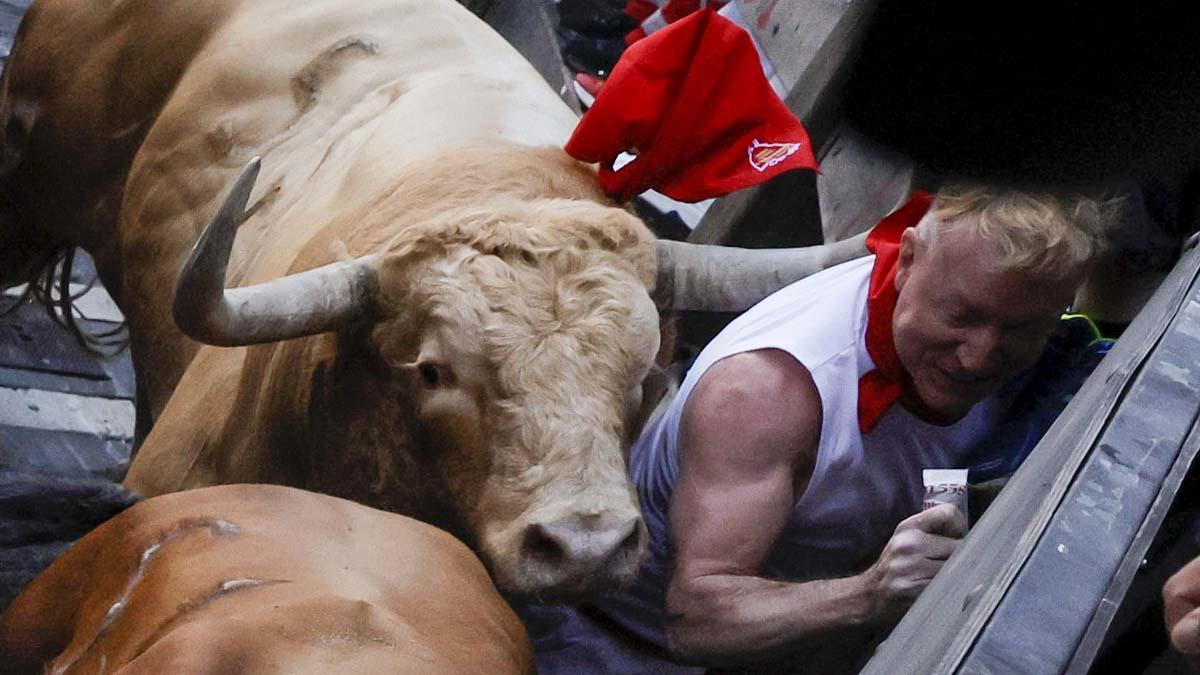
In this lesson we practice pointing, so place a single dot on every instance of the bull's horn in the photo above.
(306, 303)
(728, 279)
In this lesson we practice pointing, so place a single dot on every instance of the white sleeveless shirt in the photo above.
(862, 486)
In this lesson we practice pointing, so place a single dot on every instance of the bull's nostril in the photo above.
(633, 540)
(583, 541)
(541, 545)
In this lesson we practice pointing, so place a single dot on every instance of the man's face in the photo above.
(964, 326)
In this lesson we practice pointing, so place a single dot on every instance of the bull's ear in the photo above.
(355, 343)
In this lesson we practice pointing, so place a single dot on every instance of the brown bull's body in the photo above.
(477, 355)
(406, 131)
(139, 116)
(256, 579)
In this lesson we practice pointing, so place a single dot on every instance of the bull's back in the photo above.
(337, 98)
(263, 579)
(202, 82)
(146, 109)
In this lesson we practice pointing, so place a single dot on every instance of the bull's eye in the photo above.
(431, 375)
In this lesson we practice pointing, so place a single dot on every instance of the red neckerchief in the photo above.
(880, 388)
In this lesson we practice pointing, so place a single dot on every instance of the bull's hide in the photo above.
(480, 361)
(438, 311)
(259, 579)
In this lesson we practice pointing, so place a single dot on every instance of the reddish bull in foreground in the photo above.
(438, 312)
(262, 578)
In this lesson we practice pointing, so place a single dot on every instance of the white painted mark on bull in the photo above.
(216, 528)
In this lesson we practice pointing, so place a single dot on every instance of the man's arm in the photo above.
(748, 443)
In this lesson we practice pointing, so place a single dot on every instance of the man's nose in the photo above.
(982, 352)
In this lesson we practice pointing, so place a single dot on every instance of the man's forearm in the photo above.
(729, 620)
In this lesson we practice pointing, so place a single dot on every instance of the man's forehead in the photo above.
(968, 266)
(958, 241)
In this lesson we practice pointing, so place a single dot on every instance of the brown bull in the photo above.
(448, 317)
(257, 579)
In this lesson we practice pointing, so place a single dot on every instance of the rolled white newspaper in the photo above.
(945, 486)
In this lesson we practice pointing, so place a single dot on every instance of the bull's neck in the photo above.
(327, 425)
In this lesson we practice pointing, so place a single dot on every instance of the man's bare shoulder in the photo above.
(762, 372)
(765, 401)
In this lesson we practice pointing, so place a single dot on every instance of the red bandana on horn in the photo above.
(693, 101)
(880, 388)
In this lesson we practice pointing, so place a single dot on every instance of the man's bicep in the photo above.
(747, 443)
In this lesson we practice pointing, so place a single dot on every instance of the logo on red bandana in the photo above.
(766, 155)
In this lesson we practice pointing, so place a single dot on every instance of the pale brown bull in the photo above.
(262, 579)
(449, 319)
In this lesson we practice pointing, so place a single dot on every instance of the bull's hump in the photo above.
(448, 70)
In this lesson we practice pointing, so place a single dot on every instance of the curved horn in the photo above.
(306, 303)
(728, 279)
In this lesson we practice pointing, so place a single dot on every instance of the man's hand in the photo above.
(1181, 600)
(919, 547)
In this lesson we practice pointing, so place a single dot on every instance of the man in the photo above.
(782, 485)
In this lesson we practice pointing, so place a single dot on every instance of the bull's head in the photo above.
(514, 366)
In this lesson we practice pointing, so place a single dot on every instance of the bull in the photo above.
(432, 309)
(263, 578)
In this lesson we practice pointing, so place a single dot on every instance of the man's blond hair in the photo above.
(1044, 233)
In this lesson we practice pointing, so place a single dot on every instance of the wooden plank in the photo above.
(92, 303)
(66, 454)
(529, 27)
(31, 340)
(479, 7)
(810, 43)
(1094, 531)
(56, 411)
(807, 41)
(860, 183)
(949, 616)
(19, 378)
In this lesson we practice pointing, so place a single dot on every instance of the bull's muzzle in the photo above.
(583, 554)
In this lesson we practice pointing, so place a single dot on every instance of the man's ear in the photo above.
(911, 246)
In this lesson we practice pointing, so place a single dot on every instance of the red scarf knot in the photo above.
(880, 388)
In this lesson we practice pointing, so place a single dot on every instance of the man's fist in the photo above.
(919, 547)
(1181, 608)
